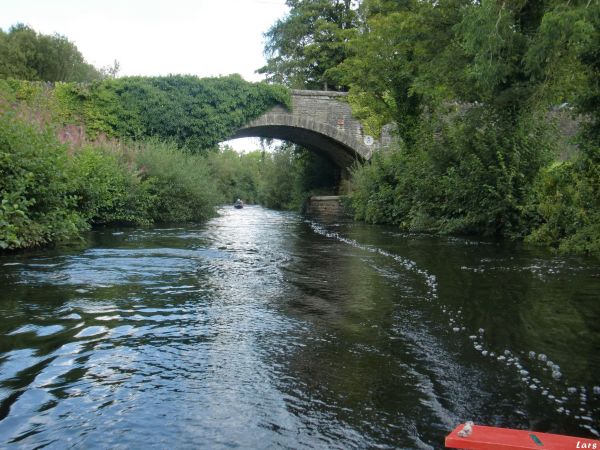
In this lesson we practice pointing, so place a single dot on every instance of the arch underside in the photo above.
(338, 152)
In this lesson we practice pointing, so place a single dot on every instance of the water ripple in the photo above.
(259, 329)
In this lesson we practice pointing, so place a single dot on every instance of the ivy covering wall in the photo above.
(196, 113)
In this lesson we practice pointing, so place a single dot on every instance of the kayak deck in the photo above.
(492, 438)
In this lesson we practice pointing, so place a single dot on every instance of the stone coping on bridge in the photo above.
(318, 93)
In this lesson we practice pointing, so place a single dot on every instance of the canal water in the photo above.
(263, 329)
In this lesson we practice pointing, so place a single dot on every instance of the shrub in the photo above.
(467, 173)
(181, 183)
(37, 205)
(108, 189)
(237, 175)
(567, 199)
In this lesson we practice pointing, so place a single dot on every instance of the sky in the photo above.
(158, 37)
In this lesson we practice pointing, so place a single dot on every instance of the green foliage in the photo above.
(197, 113)
(290, 175)
(49, 103)
(137, 183)
(567, 199)
(488, 165)
(466, 176)
(27, 55)
(237, 175)
(193, 112)
(142, 184)
(50, 192)
(414, 56)
(180, 183)
(36, 206)
(556, 57)
(108, 189)
(301, 47)
(277, 182)
(391, 71)
(494, 37)
(379, 193)
(482, 168)
(281, 179)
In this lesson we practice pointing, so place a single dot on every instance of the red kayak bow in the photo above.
(478, 437)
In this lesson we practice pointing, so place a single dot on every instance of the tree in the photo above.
(303, 46)
(398, 60)
(27, 55)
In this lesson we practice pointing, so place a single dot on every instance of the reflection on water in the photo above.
(260, 329)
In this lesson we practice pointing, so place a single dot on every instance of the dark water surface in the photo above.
(261, 329)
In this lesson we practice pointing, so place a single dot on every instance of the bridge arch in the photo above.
(320, 121)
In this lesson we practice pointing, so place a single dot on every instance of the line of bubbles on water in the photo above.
(570, 401)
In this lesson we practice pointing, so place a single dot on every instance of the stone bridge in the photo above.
(320, 121)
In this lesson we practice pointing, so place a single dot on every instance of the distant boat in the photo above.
(478, 437)
(238, 204)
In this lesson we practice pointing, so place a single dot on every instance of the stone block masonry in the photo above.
(321, 121)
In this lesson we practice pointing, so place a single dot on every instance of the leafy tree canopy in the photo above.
(304, 45)
(409, 56)
(27, 55)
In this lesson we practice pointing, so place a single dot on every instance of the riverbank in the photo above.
(473, 172)
(53, 190)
